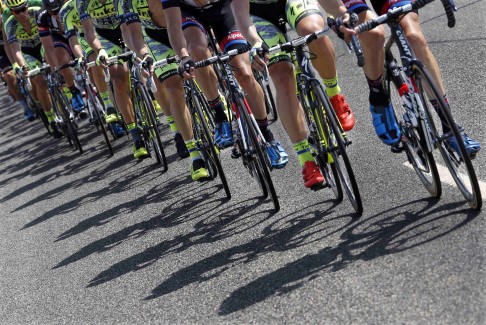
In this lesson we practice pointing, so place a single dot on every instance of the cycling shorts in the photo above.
(33, 56)
(159, 47)
(220, 18)
(4, 61)
(271, 35)
(87, 50)
(380, 6)
(111, 41)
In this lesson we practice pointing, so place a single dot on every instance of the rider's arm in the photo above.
(75, 47)
(46, 38)
(137, 41)
(241, 12)
(13, 44)
(90, 35)
(18, 57)
(333, 7)
(174, 29)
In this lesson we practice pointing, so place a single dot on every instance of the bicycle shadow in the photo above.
(366, 240)
(214, 225)
(290, 236)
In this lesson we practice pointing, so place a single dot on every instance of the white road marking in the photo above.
(446, 178)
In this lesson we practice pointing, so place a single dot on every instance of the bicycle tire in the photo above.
(255, 145)
(465, 178)
(204, 138)
(318, 148)
(151, 126)
(413, 138)
(270, 102)
(61, 106)
(337, 148)
(96, 107)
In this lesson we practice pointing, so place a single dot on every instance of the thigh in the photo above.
(296, 10)
(160, 51)
(272, 36)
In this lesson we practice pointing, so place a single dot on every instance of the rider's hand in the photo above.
(186, 67)
(341, 26)
(102, 56)
(148, 63)
(16, 67)
(259, 55)
(79, 61)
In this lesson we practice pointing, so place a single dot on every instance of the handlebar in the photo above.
(36, 71)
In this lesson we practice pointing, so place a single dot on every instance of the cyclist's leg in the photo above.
(197, 44)
(288, 105)
(413, 32)
(63, 55)
(159, 51)
(305, 17)
(372, 42)
(229, 38)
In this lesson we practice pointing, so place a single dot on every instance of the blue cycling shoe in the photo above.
(472, 146)
(278, 157)
(29, 115)
(223, 135)
(118, 130)
(385, 123)
(78, 105)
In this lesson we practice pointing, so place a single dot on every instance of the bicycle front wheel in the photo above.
(71, 128)
(459, 163)
(94, 104)
(337, 147)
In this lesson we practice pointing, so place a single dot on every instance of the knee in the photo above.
(416, 39)
(198, 51)
(374, 38)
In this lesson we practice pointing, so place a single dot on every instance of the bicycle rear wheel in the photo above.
(459, 165)
(336, 147)
(257, 159)
(413, 140)
(204, 141)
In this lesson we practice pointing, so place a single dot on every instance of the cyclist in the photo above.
(101, 26)
(57, 50)
(264, 34)
(24, 44)
(9, 77)
(384, 121)
(80, 48)
(196, 16)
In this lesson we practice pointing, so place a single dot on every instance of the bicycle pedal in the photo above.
(397, 148)
(319, 187)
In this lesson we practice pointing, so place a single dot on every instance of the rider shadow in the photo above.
(389, 232)
(164, 220)
(289, 235)
(214, 225)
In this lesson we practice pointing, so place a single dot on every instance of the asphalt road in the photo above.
(87, 239)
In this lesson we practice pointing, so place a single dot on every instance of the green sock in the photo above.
(303, 152)
(191, 147)
(67, 92)
(172, 125)
(105, 97)
(50, 116)
(332, 87)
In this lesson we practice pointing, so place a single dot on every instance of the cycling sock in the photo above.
(217, 106)
(132, 128)
(50, 116)
(435, 104)
(172, 124)
(193, 152)
(156, 105)
(378, 95)
(303, 152)
(267, 134)
(105, 97)
(332, 87)
(67, 92)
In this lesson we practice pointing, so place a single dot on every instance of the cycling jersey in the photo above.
(70, 19)
(16, 33)
(104, 16)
